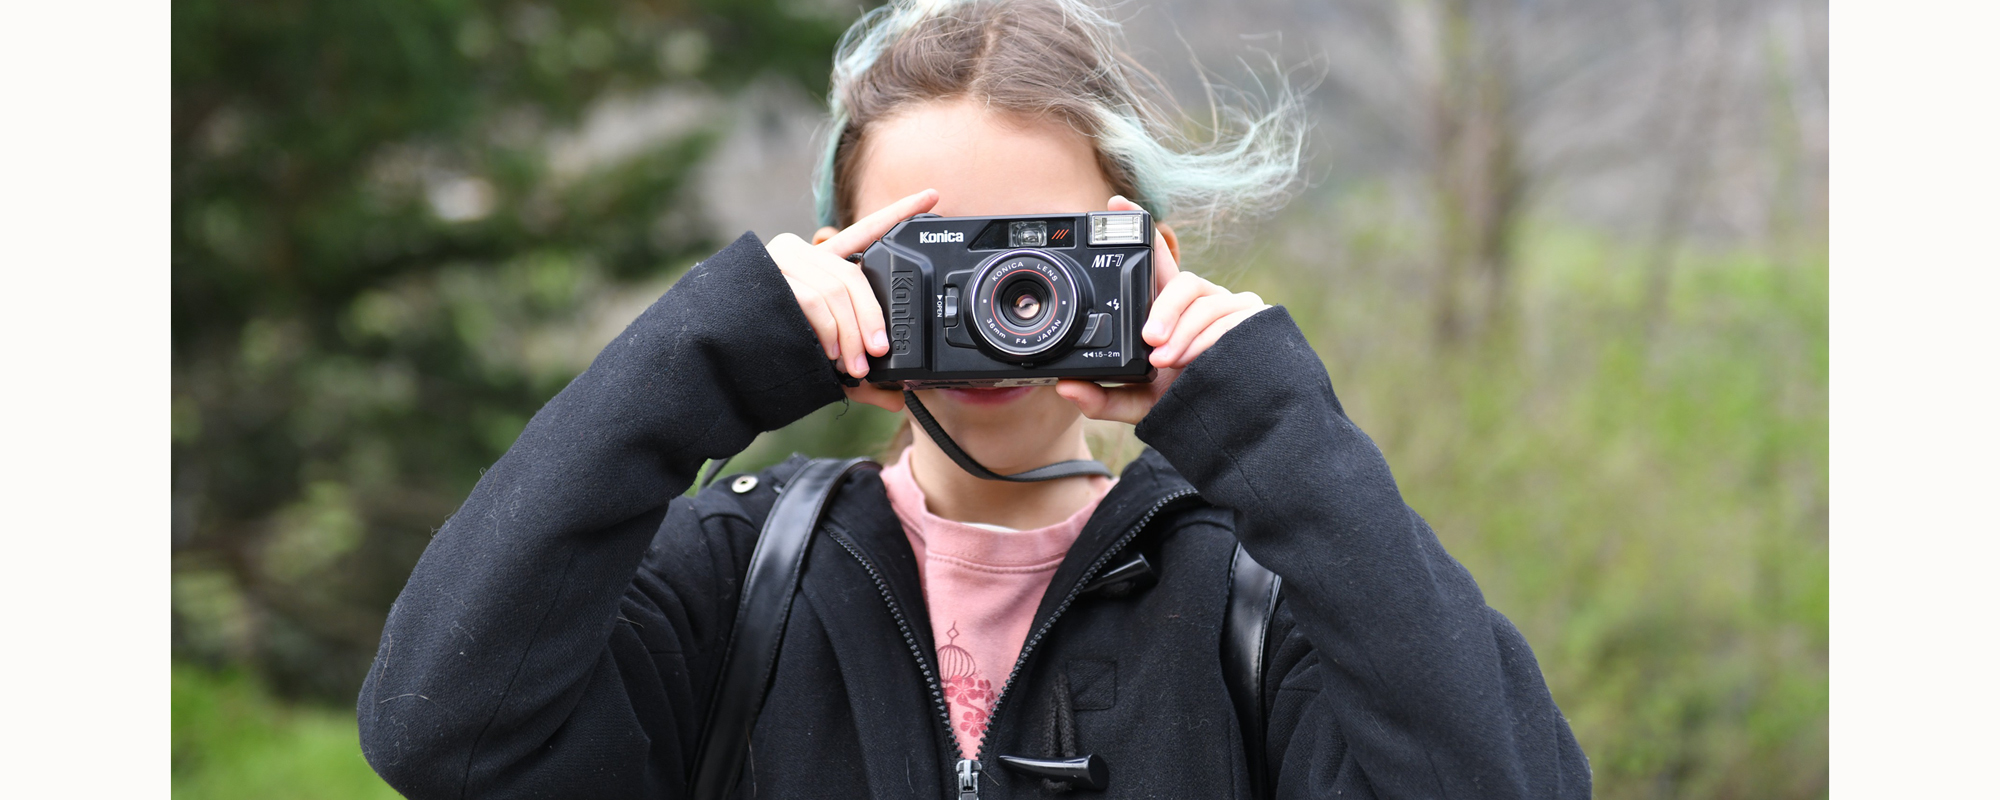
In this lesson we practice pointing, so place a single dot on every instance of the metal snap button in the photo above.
(743, 484)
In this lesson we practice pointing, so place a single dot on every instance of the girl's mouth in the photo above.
(988, 397)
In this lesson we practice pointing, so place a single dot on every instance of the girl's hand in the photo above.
(835, 295)
(1189, 314)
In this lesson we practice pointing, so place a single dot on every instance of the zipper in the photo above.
(966, 770)
(1076, 590)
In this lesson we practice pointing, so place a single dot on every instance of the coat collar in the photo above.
(862, 513)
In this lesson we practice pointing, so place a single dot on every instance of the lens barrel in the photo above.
(1024, 305)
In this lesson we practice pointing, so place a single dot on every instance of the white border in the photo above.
(1915, 294)
(84, 480)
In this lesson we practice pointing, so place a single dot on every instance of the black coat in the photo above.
(560, 635)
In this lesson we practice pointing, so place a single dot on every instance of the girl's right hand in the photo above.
(835, 295)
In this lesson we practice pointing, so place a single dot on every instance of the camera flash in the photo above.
(1113, 228)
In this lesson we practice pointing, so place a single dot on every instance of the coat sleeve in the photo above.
(1394, 678)
(529, 654)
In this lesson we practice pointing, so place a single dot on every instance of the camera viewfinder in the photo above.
(1028, 234)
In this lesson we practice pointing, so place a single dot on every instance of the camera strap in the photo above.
(1060, 469)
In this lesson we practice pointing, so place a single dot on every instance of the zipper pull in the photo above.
(968, 779)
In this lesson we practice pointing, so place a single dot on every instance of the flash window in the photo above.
(1028, 234)
(1117, 228)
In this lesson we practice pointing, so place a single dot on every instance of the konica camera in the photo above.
(1013, 301)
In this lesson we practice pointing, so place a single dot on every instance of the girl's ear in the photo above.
(827, 232)
(1173, 242)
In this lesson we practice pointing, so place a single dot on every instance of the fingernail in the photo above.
(1152, 330)
(879, 341)
(858, 367)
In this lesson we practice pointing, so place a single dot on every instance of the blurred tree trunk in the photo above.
(1688, 120)
(1476, 177)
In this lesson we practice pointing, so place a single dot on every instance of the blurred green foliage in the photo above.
(370, 245)
(379, 275)
(1649, 506)
(233, 740)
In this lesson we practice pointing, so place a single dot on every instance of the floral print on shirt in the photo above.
(970, 694)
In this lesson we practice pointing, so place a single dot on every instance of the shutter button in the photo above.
(743, 484)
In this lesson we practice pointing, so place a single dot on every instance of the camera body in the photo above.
(1014, 300)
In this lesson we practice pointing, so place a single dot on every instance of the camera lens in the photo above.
(1025, 300)
(1024, 305)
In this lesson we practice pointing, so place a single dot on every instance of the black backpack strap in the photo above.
(752, 652)
(1253, 596)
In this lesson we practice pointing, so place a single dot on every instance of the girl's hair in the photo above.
(1059, 59)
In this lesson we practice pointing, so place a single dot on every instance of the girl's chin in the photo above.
(988, 397)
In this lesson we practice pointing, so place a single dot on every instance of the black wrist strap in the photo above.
(1060, 469)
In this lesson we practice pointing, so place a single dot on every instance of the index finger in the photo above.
(858, 236)
(1164, 268)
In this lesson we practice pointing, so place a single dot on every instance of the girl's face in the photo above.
(985, 163)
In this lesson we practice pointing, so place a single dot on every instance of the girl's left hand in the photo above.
(1188, 315)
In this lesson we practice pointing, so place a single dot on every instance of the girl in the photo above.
(561, 634)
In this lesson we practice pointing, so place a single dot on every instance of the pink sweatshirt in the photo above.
(982, 583)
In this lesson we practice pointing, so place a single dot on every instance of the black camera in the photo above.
(1013, 301)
